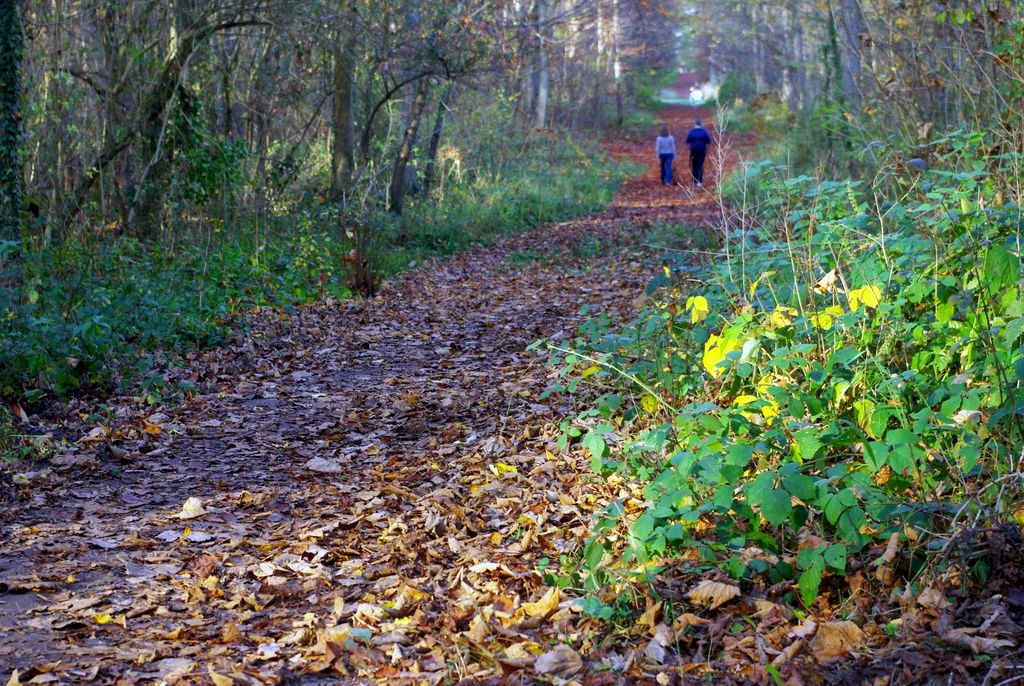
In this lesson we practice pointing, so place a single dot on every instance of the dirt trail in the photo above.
(381, 470)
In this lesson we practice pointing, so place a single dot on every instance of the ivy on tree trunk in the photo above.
(11, 192)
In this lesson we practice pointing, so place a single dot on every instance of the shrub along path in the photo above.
(365, 489)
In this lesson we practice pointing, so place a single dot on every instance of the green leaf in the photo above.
(880, 421)
(810, 581)
(593, 554)
(807, 444)
(875, 455)
(596, 444)
(835, 557)
(723, 497)
(776, 506)
(758, 490)
(643, 526)
(800, 485)
(1001, 268)
(833, 508)
(739, 454)
(902, 437)
(944, 312)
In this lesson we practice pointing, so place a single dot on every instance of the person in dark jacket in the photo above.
(698, 140)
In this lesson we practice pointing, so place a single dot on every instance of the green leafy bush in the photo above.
(91, 311)
(847, 371)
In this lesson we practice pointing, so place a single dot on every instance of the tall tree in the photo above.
(11, 192)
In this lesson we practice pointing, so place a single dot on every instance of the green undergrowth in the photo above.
(92, 311)
(844, 375)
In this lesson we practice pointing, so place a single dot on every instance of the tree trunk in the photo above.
(11, 191)
(435, 140)
(851, 25)
(405, 151)
(544, 67)
(617, 65)
(343, 150)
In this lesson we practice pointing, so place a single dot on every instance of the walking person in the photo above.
(666, 148)
(698, 140)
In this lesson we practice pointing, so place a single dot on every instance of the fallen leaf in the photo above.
(547, 604)
(664, 635)
(933, 598)
(219, 679)
(686, 620)
(961, 638)
(835, 639)
(13, 681)
(324, 466)
(192, 508)
(562, 661)
(713, 592)
(789, 653)
(655, 651)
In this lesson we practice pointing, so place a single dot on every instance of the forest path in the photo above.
(380, 470)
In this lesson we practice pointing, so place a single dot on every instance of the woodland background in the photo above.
(848, 334)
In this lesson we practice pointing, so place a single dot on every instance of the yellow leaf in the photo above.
(219, 679)
(715, 351)
(102, 618)
(835, 311)
(827, 283)
(547, 604)
(744, 400)
(698, 308)
(777, 320)
(192, 508)
(14, 681)
(500, 469)
(869, 296)
(649, 403)
(590, 371)
(822, 321)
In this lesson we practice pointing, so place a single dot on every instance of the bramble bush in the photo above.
(848, 370)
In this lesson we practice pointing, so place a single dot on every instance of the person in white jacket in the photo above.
(666, 148)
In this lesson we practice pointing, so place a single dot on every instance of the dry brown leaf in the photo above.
(962, 638)
(663, 634)
(562, 661)
(835, 639)
(714, 592)
(892, 549)
(933, 598)
(789, 653)
(324, 466)
(688, 619)
(651, 615)
(547, 604)
(655, 651)
(219, 679)
(766, 606)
